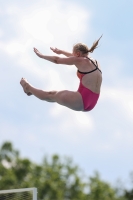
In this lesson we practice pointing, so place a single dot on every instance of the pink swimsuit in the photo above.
(89, 98)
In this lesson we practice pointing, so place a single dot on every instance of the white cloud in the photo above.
(73, 22)
(54, 80)
(15, 47)
(51, 25)
(1, 33)
(45, 25)
(71, 120)
(12, 10)
(36, 24)
(121, 97)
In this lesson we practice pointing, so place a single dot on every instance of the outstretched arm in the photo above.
(58, 51)
(58, 60)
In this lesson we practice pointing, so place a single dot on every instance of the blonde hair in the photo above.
(84, 49)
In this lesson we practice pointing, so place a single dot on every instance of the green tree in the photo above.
(101, 190)
(55, 178)
(60, 179)
(7, 156)
(128, 193)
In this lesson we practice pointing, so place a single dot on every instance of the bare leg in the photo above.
(72, 100)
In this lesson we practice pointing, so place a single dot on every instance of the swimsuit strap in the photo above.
(93, 69)
(95, 64)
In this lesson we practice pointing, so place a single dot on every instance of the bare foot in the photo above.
(25, 86)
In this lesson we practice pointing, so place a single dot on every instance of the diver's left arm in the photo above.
(58, 51)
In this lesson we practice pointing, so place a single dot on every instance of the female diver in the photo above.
(88, 71)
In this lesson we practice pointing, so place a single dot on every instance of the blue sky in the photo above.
(99, 140)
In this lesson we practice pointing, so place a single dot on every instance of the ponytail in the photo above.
(94, 46)
(84, 49)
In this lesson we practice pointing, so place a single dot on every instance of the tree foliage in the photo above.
(55, 178)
